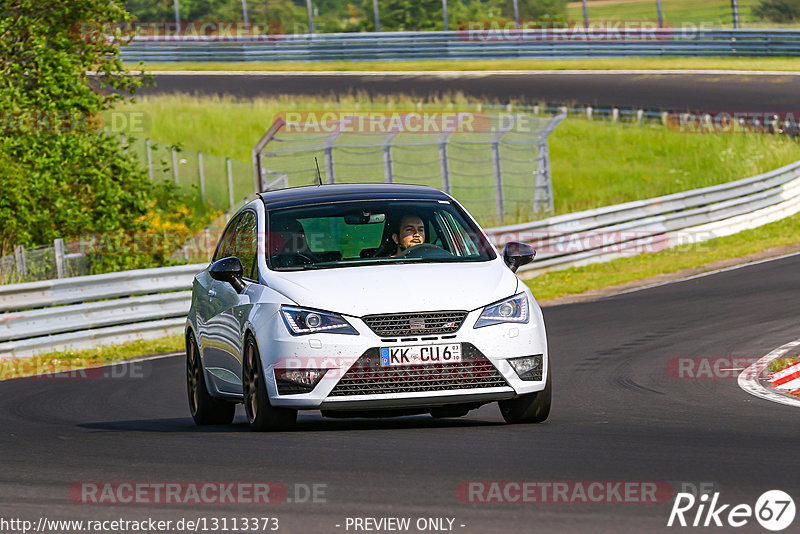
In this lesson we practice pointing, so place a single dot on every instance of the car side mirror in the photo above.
(228, 270)
(518, 254)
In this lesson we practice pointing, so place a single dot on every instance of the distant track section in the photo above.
(669, 91)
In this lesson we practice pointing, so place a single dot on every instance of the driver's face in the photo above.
(412, 232)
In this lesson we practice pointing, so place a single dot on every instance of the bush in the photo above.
(61, 175)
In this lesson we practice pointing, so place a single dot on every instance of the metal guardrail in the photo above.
(154, 302)
(95, 287)
(654, 224)
(87, 311)
(468, 44)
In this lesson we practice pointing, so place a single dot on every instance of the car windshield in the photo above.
(372, 232)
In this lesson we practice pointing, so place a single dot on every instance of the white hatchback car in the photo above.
(363, 300)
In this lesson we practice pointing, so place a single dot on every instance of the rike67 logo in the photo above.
(774, 510)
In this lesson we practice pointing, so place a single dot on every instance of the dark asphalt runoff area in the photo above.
(618, 415)
(673, 92)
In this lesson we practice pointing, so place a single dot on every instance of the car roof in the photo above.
(320, 194)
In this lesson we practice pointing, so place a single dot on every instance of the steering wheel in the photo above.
(424, 250)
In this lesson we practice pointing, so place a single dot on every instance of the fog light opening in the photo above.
(528, 368)
(298, 380)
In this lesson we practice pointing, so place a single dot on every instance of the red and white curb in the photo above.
(787, 379)
(780, 383)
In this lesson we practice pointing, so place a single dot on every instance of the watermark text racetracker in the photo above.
(72, 369)
(735, 122)
(382, 122)
(564, 492)
(704, 368)
(208, 493)
(73, 122)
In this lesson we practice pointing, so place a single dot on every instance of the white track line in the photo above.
(466, 73)
(702, 275)
(748, 379)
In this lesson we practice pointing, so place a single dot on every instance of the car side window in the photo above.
(225, 247)
(245, 239)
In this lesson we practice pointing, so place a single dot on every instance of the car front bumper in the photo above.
(480, 381)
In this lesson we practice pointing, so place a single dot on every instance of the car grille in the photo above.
(415, 324)
(368, 377)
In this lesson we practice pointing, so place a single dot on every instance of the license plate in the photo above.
(420, 355)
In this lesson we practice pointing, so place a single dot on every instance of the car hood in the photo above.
(366, 290)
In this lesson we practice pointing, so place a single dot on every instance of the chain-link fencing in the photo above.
(496, 165)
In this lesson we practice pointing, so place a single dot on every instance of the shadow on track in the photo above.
(304, 424)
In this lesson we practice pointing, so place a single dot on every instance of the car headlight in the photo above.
(301, 321)
(510, 310)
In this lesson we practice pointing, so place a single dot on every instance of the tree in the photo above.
(404, 15)
(534, 10)
(783, 11)
(62, 176)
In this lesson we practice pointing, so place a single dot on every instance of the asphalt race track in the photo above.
(674, 92)
(618, 416)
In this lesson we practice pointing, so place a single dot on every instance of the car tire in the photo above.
(260, 414)
(529, 408)
(205, 409)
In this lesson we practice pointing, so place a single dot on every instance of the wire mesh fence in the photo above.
(496, 165)
(217, 181)
(44, 262)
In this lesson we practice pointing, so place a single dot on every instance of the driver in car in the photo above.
(410, 232)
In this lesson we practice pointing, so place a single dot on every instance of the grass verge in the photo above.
(71, 360)
(594, 163)
(579, 280)
(711, 63)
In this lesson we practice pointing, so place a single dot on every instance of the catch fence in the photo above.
(498, 166)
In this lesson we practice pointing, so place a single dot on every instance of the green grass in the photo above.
(578, 280)
(782, 363)
(71, 360)
(594, 163)
(700, 13)
(711, 63)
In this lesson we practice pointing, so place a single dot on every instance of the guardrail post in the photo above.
(543, 193)
(329, 176)
(536, 109)
(230, 182)
(19, 258)
(175, 165)
(589, 112)
(640, 116)
(615, 115)
(498, 181)
(202, 176)
(58, 249)
(388, 173)
(149, 159)
(444, 167)
(664, 118)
